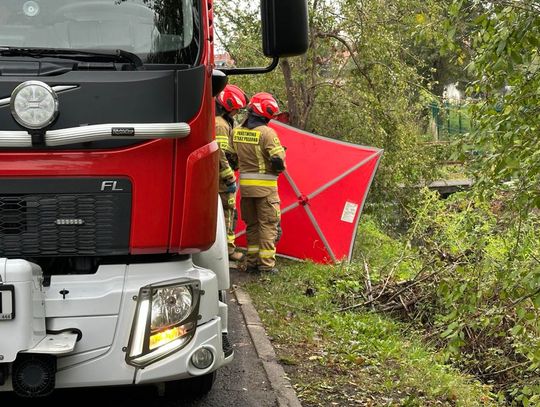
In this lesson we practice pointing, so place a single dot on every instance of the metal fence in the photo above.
(449, 120)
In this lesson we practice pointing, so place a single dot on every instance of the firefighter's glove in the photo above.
(231, 188)
(277, 164)
(233, 160)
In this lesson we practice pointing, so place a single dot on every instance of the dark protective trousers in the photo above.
(262, 216)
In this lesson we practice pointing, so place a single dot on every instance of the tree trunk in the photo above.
(292, 98)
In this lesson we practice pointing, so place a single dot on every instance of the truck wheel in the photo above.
(194, 387)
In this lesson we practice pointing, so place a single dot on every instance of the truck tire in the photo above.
(190, 388)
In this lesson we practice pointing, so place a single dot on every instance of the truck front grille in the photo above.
(63, 224)
(12, 215)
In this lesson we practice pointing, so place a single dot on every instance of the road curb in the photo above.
(277, 377)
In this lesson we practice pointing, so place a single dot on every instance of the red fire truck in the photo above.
(113, 259)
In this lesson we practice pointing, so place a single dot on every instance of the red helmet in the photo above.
(232, 98)
(264, 105)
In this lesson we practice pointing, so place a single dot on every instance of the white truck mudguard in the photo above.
(125, 324)
(217, 257)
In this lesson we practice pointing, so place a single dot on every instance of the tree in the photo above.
(505, 38)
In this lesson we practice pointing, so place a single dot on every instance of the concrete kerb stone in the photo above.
(277, 377)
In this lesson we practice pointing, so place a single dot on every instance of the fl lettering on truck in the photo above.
(113, 250)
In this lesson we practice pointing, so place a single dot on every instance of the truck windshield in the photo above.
(157, 31)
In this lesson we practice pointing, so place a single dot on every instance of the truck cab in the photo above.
(113, 258)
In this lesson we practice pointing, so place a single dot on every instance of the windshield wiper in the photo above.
(75, 54)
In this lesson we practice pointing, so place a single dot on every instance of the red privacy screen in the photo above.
(322, 195)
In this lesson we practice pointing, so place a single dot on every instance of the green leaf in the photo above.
(516, 57)
(536, 301)
(501, 47)
(517, 329)
(449, 332)
(534, 41)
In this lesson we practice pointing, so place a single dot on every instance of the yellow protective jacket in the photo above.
(254, 150)
(223, 135)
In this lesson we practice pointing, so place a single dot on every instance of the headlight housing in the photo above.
(165, 320)
(34, 105)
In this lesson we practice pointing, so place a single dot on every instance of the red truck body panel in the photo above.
(175, 182)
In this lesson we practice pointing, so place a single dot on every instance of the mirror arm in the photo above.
(251, 71)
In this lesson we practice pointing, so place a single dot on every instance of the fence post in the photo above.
(459, 118)
(434, 121)
(447, 103)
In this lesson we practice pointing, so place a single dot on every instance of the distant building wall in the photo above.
(224, 60)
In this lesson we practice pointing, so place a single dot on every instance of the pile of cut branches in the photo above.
(406, 299)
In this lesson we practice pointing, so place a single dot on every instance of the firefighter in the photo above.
(261, 158)
(228, 103)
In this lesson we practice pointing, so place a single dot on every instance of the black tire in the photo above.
(190, 388)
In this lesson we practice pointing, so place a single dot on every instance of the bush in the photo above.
(469, 272)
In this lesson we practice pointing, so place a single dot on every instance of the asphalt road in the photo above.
(243, 383)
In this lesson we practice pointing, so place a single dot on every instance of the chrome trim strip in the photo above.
(98, 132)
(57, 89)
(63, 88)
(15, 139)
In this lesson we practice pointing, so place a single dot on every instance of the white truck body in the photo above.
(86, 321)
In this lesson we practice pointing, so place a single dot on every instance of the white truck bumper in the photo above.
(102, 307)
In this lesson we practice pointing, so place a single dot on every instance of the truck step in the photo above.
(55, 344)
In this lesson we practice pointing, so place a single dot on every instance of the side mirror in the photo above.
(284, 27)
(285, 31)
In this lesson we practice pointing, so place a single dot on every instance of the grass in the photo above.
(353, 357)
(360, 358)
(453, 172)
(382, 252)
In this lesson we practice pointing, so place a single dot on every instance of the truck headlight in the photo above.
(165, 320)
(34, 105)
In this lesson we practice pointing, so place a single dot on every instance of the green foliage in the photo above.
(383, 254)
(473, 283)
(505, 38)
(441, 43)
(486, 298)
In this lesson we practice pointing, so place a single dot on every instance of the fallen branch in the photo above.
(405, 308)
(368, 282)
(416, 282)
(525, 297)
(504, 370)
